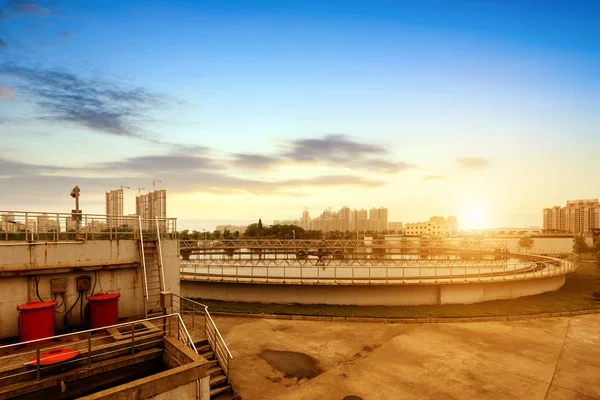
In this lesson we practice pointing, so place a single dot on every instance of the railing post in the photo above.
(193, 312)
(37, 356)
(89, 348)
(132, 339)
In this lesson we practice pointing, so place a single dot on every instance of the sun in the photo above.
(473, 217)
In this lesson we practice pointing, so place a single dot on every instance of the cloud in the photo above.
(6, 93)
(254, 161)
(434, 177)
(330, 147)
(3, 44)
(341, 151)
(472, 162)
(65, 35)
(28, 7)
(333, 180)
(97, 104)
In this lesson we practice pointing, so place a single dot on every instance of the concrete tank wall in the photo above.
(369, 295)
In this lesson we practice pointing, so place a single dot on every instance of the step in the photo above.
(203, 349)
(217, 380)
(214, 371)
(208, 355)
(201, 342)
(217, 391)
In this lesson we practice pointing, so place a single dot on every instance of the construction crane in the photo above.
(154, 185)
(119, 186)
(140, 190)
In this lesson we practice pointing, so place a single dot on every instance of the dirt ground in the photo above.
(553, 358)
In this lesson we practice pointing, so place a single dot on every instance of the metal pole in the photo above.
(193, 312)
(37, 355)
(89, 348)
(132, 339)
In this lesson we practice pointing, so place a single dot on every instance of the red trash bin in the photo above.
(104, 309)
(36, 320)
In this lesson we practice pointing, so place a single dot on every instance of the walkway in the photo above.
(553, 358)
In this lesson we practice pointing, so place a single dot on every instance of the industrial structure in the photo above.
(577, 217)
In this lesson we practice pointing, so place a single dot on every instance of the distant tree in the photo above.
(216, 234)
(260, 225)
(236, 234)
(526, 242)
(579, 244)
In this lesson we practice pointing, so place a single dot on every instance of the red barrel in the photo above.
(36, 320)
(104, 309)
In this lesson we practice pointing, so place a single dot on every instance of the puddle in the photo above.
(292, 364)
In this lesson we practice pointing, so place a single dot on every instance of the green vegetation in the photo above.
(579, 245)
(526, 242)
(576, 294)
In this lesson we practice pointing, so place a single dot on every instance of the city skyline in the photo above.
(248, 110)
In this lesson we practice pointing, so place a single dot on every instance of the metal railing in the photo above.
(144, 334)
(201, 318)
(44, 226)
(160, 257)
(415, 261)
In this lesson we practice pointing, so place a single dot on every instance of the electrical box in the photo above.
(58, 285)
(84, 283)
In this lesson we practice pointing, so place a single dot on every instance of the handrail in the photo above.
(187, 333)
(219, 339)
(160, 257)
(143, 260)
(86, 331)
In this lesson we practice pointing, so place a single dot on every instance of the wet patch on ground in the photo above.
(292, 364)
(352, 397)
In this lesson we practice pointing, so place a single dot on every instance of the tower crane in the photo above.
(154, 184)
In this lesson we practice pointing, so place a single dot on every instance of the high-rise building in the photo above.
(578, 217)
(344, 219)
(114, 207)
(453, 223)
(151, 206)
(382, 214)
(353, 220)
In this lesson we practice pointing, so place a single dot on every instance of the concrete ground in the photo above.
(553, 358)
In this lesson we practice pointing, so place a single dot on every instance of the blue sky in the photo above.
(248, 109)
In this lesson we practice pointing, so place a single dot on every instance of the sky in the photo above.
(247, 109)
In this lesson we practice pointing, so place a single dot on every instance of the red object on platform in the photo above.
(104, 309)
(54, 356)
(36, 320)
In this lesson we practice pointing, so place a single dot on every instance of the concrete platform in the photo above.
(555, 358)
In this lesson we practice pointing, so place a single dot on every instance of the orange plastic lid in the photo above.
(54, 356)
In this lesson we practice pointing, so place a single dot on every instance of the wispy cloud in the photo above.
(3, 44)
(472, 162)
(6, 93)
(254, 161)
(65, 35)
(434, 177)
(101, 105)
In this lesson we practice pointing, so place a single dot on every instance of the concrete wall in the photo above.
(170, 249)
(369, 295)
(19, 290)
(52, 255)
(115, 262)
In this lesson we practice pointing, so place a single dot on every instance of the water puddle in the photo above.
(292, 364)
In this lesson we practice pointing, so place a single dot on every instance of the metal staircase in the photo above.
(152, 269)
